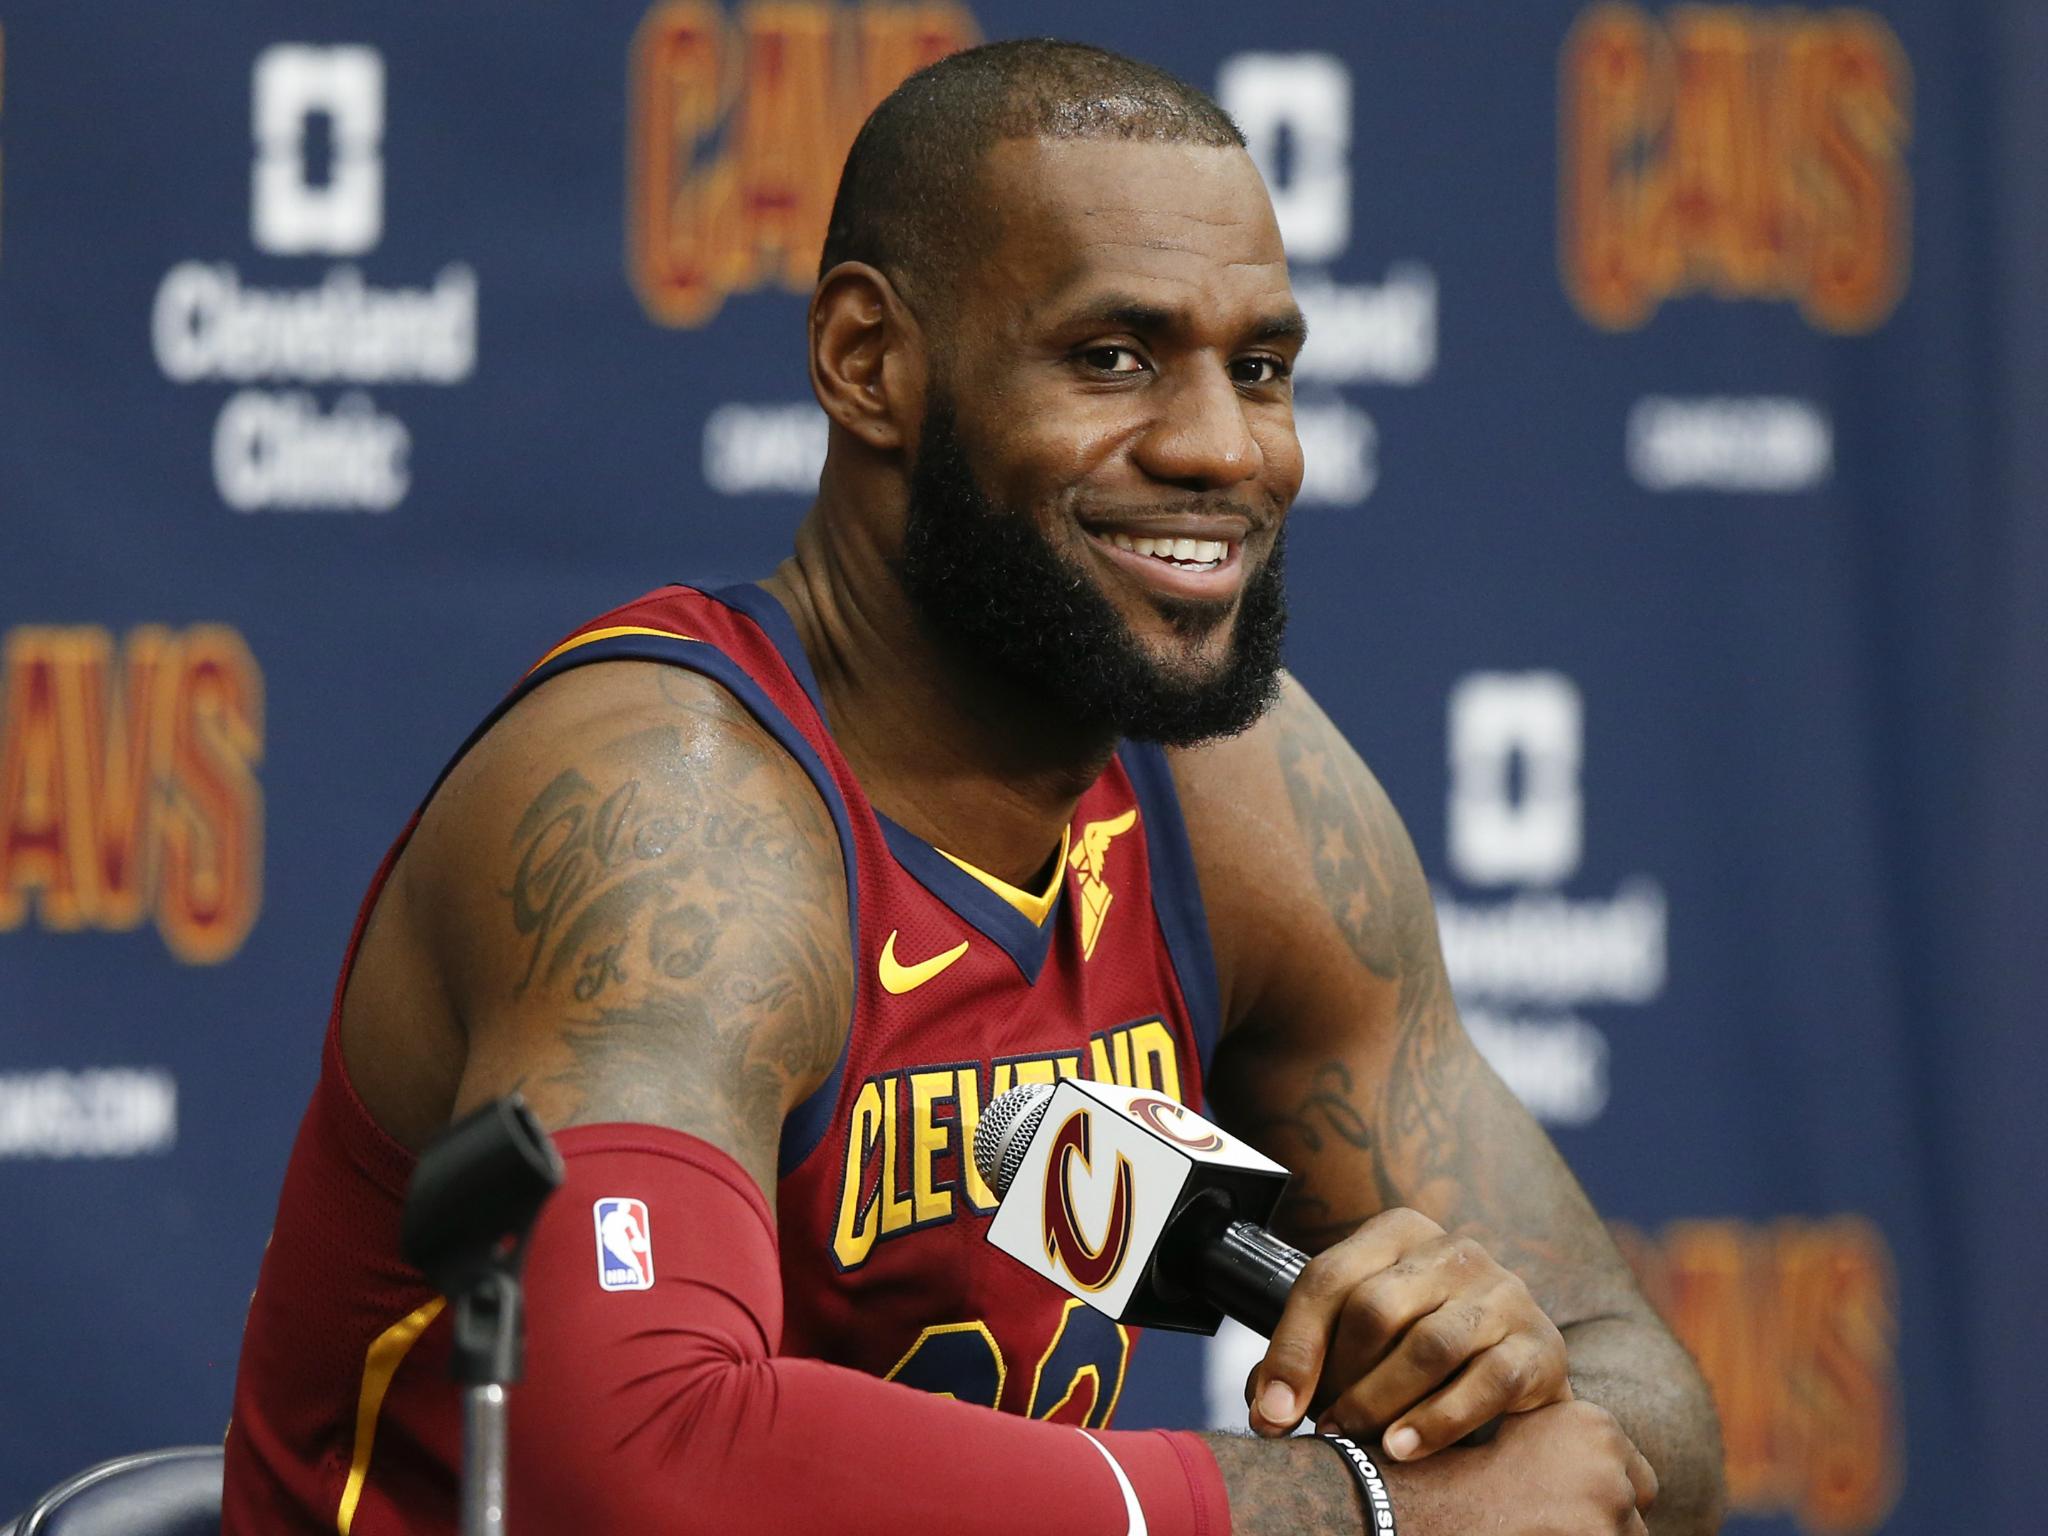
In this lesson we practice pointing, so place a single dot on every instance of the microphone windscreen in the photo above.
(1006, 1129)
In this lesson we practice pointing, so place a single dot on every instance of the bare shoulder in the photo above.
(632, 900)
(1301, 856)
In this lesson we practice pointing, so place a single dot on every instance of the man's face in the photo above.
(1109, 450)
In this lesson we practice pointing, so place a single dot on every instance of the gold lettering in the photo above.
(1795, 1330)
(125, 794)
(1859, 128)
(36, 853)
(1838, 1324)
(854, 1237)
(1744, 153)
(674, 216)
(736, 137)
(786, 132)
(928, 1142)
(212, 837)
(117, 751)
(968, 1094)
(895, 1205)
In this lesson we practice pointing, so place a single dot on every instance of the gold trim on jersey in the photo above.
(386, 1354)
(611, 632)
(1033, 907)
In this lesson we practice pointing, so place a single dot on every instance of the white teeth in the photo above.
(1181, 551)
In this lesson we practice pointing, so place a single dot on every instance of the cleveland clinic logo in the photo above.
(1093, 1265)
(301, 432)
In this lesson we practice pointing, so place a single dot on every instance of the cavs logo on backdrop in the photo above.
(1093, 1265)
(1749, 154)
(923, 1119)
(128, 783)
(1794, 1327)
(737, 132)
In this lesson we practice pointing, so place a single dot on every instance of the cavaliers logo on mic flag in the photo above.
(625, 1244)
(1090, 1175)
(1092, 1265)
(1164, 1116)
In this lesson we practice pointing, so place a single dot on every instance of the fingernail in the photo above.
(1402, 1443)
(1276, 1403)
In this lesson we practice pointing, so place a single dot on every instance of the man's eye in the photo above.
(1258, 370)
(1113, 360)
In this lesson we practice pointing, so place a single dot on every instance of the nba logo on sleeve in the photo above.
(625, 1256)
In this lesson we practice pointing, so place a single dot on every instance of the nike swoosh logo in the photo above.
(900, 978)
(1134, 1513)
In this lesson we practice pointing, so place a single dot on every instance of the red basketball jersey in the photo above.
(344, 1415)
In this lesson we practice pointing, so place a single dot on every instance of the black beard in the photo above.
(985, 580)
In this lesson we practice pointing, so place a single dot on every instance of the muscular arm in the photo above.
(1347, 1062)
(634, 904)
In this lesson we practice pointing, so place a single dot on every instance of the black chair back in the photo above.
(172, 1492)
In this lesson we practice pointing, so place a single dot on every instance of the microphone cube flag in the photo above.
(1110, 1192)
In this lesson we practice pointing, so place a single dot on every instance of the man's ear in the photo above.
(867, 356)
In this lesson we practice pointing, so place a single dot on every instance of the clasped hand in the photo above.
(1407, 1334)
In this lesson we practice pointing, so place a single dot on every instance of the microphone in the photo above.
(1137, 1205)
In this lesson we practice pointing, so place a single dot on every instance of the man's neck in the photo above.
(958, 755)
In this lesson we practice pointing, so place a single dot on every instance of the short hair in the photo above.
(904, 197)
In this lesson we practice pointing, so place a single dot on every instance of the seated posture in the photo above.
(761, 895)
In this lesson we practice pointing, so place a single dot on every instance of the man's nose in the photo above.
(1200, 439)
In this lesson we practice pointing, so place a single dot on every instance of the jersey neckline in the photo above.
(975, 903)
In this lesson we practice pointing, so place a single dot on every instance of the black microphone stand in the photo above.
(473, 1200)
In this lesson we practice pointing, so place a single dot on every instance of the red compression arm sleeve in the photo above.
(666, 1409)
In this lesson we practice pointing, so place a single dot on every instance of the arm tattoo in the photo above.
(1326, 1114)
(1442, 1134)
(679, 904)
(1349, 845)
(1286, 1487)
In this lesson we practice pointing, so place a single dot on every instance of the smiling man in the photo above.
(761, 895)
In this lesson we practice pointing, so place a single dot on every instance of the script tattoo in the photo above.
(684, 882)
(1325, 1117)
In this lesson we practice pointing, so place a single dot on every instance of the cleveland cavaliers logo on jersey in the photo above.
(1093, 1265)
(1089, 859)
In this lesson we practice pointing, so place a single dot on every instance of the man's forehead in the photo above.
(1082, 219)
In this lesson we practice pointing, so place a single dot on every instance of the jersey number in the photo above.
(1077, 1380)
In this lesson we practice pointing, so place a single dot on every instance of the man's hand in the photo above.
(1405, 1329)
(1562, 1470)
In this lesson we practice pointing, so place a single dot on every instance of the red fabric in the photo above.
(667, 1409)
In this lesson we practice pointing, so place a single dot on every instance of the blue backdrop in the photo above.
(1672, 546)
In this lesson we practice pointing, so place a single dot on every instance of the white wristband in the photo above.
(1379, 1508)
